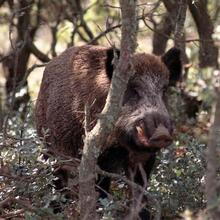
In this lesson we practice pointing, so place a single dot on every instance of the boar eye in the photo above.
(136, 92)
(132, 94)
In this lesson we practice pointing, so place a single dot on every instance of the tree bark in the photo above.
(208, 52)
(162, 34)
(15, 65)
(179, 28)
(176, 10)
(212, 160)
(97, 136)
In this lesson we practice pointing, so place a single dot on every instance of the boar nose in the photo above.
(161, 137)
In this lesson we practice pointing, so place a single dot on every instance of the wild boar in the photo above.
(82, 75)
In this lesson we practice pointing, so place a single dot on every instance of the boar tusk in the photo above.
(140, 130)
(141, 135)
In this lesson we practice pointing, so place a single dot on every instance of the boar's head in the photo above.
(144, 123)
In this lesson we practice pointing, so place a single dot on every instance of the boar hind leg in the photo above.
(111, 160)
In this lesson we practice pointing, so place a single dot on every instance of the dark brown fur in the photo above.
(70, 81)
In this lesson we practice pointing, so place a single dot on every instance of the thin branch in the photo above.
(27, 73)
(152, 199)
(95, 39)
(142, 17)
(36, 52)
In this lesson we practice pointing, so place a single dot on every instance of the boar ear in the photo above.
(109, 59)
(172, 59)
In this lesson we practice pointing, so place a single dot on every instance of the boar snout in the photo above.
(161, 137)
(158, 136)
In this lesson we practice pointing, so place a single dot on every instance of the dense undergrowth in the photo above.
(26, 179)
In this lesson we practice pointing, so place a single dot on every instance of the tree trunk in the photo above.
(167, 27)
(162, 34)
(213, 162)
(97, 136)
(15, 65)
(179, 36)
(208, 52)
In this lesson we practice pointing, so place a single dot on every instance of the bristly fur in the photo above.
(76, 77)
(81, 76)
(109, 61)
(172, 59)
